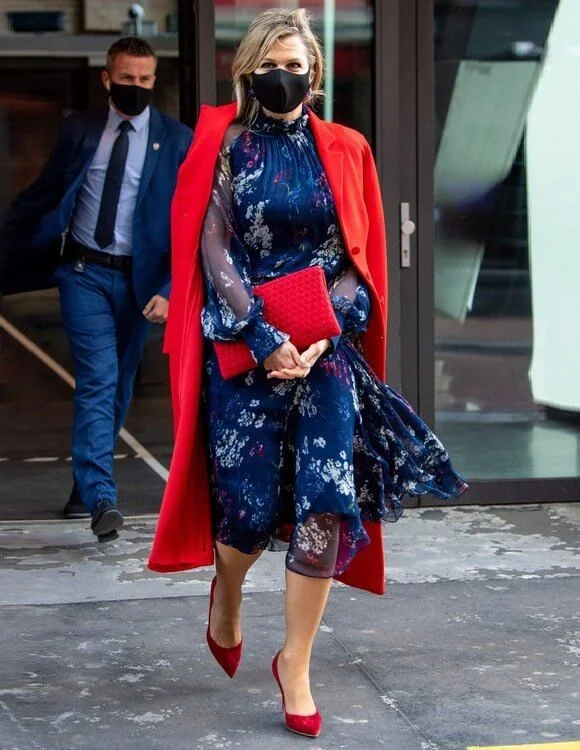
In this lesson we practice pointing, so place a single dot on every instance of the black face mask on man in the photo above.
(130, 100)
(280, 91)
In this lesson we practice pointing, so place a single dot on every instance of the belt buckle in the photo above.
(80, 265)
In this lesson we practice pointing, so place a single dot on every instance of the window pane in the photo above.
(506, 260)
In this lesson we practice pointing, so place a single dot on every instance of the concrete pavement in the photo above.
(475, 644)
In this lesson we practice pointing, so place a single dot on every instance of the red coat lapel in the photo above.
(351, 173)
(332, 160)
(188, 209)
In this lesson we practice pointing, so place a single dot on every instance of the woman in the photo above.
(310, 446)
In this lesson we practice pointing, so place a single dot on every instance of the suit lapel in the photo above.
(93, 135)
(155, 142)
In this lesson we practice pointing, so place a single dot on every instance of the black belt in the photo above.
(73, 252)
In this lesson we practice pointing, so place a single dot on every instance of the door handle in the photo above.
(408, 228)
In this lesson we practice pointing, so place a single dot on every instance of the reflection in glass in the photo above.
(506, 265)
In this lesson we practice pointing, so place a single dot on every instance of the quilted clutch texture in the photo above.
(297, 304)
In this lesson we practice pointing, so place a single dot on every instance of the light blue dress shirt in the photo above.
(86, 211)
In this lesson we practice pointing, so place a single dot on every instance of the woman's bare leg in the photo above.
(231, 567)
(305, 601)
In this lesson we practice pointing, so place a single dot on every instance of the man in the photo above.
(106, 191)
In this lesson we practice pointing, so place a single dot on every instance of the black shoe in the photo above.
(106, 520)
(75, 508)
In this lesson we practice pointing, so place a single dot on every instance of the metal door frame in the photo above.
(392, 97)
(197, 77)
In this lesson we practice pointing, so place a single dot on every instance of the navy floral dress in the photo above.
(306, 460)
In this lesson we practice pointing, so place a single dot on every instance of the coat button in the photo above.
(355, 250)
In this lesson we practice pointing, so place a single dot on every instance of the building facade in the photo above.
(471, 108)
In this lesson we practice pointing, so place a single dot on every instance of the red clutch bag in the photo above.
(297, 304)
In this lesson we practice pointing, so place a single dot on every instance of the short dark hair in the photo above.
(129, 45)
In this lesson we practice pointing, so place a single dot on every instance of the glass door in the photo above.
(361, 41)
(501, 358)
(371, 51)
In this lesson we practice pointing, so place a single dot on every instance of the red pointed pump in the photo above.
(228, 658)
(309, 726)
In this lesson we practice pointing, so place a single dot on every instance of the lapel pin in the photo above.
(155, 147)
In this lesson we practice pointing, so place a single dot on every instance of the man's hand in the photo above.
(285, 363)
(298, 368)
(156, 309)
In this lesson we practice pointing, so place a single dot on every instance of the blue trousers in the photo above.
(107, 331)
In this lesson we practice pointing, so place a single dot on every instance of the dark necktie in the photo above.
(105, 229)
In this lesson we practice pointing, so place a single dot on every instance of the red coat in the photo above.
(183, 538)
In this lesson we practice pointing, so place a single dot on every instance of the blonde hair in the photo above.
(265, 30)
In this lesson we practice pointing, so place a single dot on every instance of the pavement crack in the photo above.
(426, 742)
(14, 719)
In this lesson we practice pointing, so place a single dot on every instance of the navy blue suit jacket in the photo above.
(34, 224)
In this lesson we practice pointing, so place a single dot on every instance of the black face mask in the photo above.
(280, 91)
(130, 100)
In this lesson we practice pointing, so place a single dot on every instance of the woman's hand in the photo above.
(305, 361)
(311, 356)
(285, 360)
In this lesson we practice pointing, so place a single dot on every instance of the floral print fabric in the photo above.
(308, 460)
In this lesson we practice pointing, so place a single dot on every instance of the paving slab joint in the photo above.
(390, 703)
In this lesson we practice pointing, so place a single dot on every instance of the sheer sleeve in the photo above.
(351, 302)
(231, 311)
